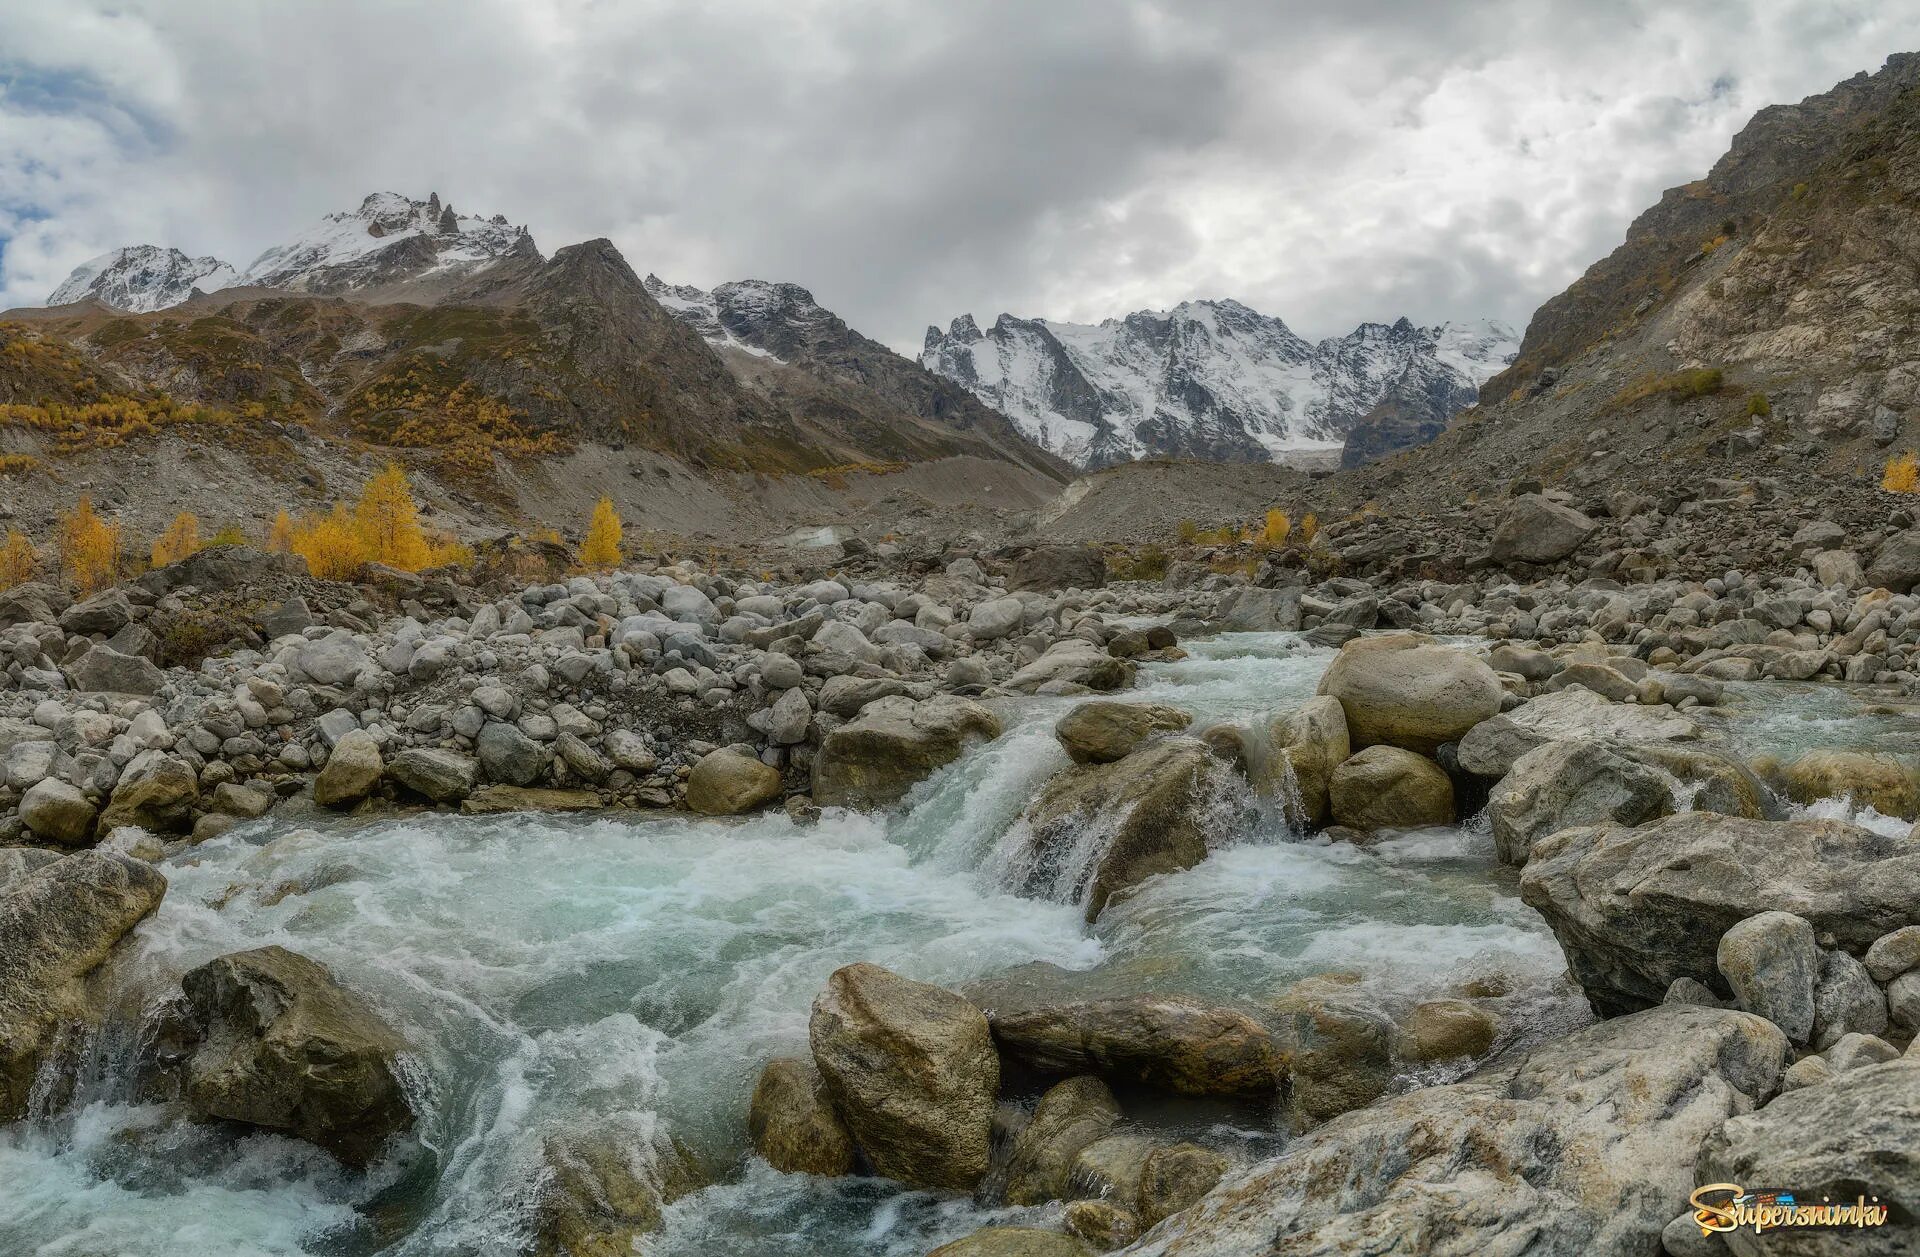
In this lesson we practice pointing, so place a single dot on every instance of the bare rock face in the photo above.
(912, 1072)
(875, 758)
(1407, 691)
(1635, 908)
(281, 1045)
(1858, 1134)
(59, 921)
(1168, 1042)
(1584, 1146)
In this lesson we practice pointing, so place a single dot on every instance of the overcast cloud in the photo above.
(909, 160)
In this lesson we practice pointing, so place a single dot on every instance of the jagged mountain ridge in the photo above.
(786, 333)
(389, 240)
(142, 278)
(1207, 379)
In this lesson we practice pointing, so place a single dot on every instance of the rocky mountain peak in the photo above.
(143, 278)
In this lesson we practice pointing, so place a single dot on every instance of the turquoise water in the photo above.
(634, 975)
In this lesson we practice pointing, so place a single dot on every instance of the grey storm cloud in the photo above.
(911, 160)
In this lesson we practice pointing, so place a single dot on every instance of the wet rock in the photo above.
(1858, 1134)
(1384, 787)
(1339, 1051)
(792, 1124)
(1771, 962)
(913, 1073)
(605, 1190)
(1173, 1178)
(1101, 1223)
(1562, 784)
(352, 771)
(1071, 1115)
(58, 923)
(56, 812)
(1635, 908)
(1585, 1145)
(1014, 1241)
(281, 1045)
(727, 783)
(1491, 748)
(442, 776)
(1166, 1042)
(1111, 1168)
(1101, 732)
(1536, 529)
(1407, 691)
(496, 799)
(1151, 812)
(1888, 783)
(1073, 662)
(1447, 1029)
(874, 759)
(1310, 743)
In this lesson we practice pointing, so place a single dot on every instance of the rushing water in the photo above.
(634, 975)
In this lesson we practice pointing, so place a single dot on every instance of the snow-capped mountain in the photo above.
(1207, 379)
(748, 314)
(389, 239)
(144, 277)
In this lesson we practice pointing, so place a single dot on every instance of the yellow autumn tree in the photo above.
(1309, 528)
(89, 547)
(1274, 530)
(17, 559)
(601, 549)
(280, 535)
(388, 522)
(181, 540)
(330, 544)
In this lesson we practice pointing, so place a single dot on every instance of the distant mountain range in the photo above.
(1209, 379)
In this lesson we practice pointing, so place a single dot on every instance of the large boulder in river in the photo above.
(727, 783)
(1071, 1115)
(1537, 529)
(1584, 1146)
(1253, 609)
(1166, 1042)
(1308, 744)
(1492, 747)
(1014, 1241)
(1384, 787)
(1102, 829)
(59, 921)
(1103, 731)
(1406, 690)
(1858, 1135)
(1563, 784)
(605, 1188)
(912, 1072)
(791, 1122)
(894, 743)
(1636, 907)
(1888, 783)
(1073, 666)
(281, 1045)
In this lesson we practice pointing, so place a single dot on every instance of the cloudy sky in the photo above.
(909, 160)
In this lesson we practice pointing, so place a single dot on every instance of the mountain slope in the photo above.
(1207, 379)
(805, 357)
(143, 277)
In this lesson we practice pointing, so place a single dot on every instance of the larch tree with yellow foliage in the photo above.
(280, 534)
(17, 559)
(388, 522)
(601, 549)
(330, 544)
(89, 547)
(181, 540)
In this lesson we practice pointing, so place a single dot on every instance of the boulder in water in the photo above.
(1073, 666)
(1585, 1145)
(1252, 609)
(895, 742)
(1408, 691)
(281, 1045)
(1562, 784)
(156, 792)
(1492, 747)
(1310, 743)
(727, 783)
(1890, 784)
(1103, 731)
(1166, 1042)
(1339, 1050)
(1173, 1178)
(605, 1190)
(1384, 787)
(441, 775)
(1014, 1241)
(352, 770)
(1102, 829)
(59, 921)
(912, 1072)
(1636, 907)
(1071, 1115)
(792, 1124)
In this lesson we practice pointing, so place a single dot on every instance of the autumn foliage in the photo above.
(382, 527)
(89, 548)
(1901, 475)
(17, 559)
(388, 523)
(181, 540)
(330, 544)
(601, 549)
(280, 534)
